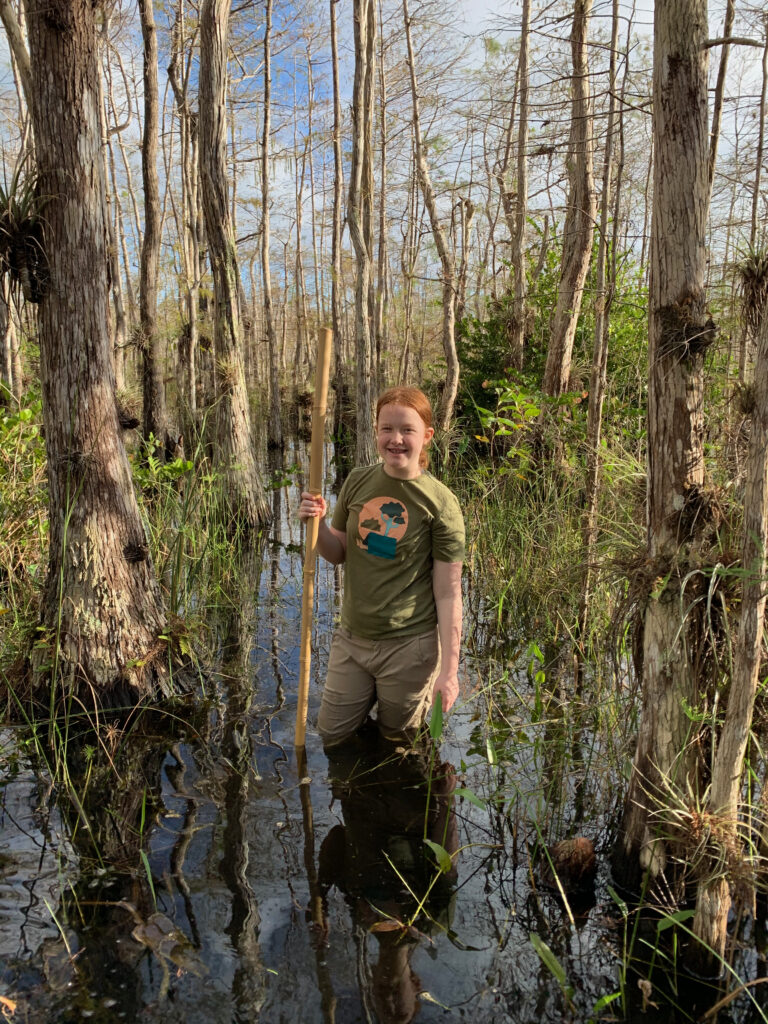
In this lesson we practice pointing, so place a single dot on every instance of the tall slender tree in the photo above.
(189, 218)
(339, 376)
(517, 333)
(447, 262)
(580, 213)
(242, 494)
(275, 424)
(717, 111)
(597, 380)
(153, 390)
(358, 216)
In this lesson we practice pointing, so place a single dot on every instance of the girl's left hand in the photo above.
(448, 686)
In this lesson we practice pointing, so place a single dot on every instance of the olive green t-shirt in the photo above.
(395, 530)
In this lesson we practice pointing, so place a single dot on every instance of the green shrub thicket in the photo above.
(522, 465)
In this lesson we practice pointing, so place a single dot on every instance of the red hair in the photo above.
(414, 399)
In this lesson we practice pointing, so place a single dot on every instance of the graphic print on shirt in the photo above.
(381, 524)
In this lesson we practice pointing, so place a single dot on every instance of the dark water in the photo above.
(219, 879)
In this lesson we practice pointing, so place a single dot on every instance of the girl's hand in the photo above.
(312, 505)
(448, 686)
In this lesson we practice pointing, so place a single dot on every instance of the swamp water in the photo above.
(211, 877)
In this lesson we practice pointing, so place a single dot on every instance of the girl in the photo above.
(400, 533)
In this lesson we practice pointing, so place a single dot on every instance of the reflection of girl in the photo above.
(378, 858)
(400, 533)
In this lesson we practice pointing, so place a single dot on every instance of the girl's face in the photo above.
(401, 434)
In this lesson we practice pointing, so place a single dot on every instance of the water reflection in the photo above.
(249, 981)
(394, 803)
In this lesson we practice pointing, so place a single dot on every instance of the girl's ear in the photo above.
(429, 433)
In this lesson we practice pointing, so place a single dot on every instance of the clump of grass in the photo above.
(23, 522)
(526, 546)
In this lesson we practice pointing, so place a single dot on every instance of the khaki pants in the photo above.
(398, 673)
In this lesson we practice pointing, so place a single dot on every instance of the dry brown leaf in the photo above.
(388, 926)
(7, 1006)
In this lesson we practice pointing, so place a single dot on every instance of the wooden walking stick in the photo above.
(319, 406)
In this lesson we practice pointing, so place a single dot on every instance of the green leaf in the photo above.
(604, 1001)
(672, 919)
(552, 964)
(436, 719)
(145, 862)
(442, 856)
(618, 901)
(469, 795)
(491, 752)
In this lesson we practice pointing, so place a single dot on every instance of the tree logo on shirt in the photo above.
(382, 523)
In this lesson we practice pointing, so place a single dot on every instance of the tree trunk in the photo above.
(597, 380)
(275, 424)
(365, 30)
(102, 613)
(451, 386)
(242, 496)
(6, 342)
(302, 359)
(339, 375)
(120, 333)
(466, 216)
(189, 225)
(382, 277)
(579, 217)
(154, 416)
(717, 110)
(313, 197)
(713, 898)
(18, 49)
(760, 142)
(679, 510)
(517, 333)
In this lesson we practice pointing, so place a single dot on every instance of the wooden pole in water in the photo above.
(319, 407)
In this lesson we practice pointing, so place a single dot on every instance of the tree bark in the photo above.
(713, 898)
(358, 202)
(18, 48)
(451, 386)
(275, 424)
(679, 511)
(154, 413)
(339, 379)
(466, 210)
(717, 109)
(301, 359)
(382, 277)
(597, 381)
(102, 612)
(120, 334)
(517, 332)
(760, 141)
(6, 344)
(580, 214)
(189, 223)
(241, 493)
